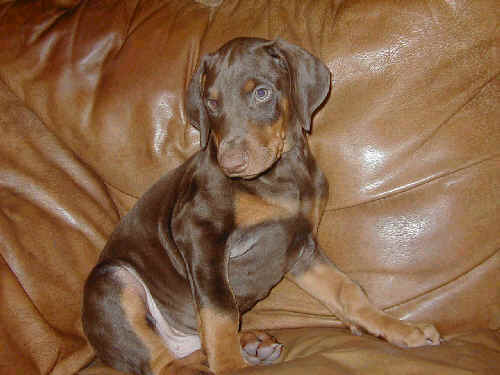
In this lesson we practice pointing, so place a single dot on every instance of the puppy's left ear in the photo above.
(309, 78)
(195, 106)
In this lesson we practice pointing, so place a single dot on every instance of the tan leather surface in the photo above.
(55, 215)
(91, 114)
(322, 351)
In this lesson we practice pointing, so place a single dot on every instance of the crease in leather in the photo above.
(21, 183)
(46, 326)
(408, 187)
(409, 357)
(327, 316)
(462, 108)
(20, 177)
(448, 283)
(459, 109)
(120, 190)
(330, 320)
(364, 354)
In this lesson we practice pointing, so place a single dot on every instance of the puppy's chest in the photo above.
(252, 208)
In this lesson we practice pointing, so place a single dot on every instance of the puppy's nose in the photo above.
(233, 161)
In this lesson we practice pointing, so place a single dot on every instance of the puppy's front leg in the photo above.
(318, 276)
(218, 315)
(219, 335)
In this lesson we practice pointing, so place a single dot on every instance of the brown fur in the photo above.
(135, 312)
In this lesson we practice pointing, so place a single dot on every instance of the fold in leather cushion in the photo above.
(337, 352)
(55, 217)
(107, 77)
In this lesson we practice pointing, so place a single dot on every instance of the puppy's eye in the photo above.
(212, 104)
(262, 94)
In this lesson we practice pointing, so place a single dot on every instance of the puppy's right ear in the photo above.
(195, 107)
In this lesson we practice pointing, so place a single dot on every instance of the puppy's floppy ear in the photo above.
(309, 78)
(195, 107)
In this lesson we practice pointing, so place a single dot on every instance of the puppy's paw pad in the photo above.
(417, 334)
(259, 348)
(429, 333)
(355, 330)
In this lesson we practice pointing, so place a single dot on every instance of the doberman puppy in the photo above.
(214, 236)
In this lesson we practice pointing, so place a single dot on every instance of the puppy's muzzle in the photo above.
(233, 161)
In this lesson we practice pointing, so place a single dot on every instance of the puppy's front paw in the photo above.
(412, 335)
(259, 348)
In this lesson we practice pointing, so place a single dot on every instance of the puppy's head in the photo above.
(254, 97)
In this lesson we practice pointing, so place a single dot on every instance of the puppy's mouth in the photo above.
(249, 176)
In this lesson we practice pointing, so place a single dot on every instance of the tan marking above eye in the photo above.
(249, 86)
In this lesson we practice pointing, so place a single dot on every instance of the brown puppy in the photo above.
(214, 236)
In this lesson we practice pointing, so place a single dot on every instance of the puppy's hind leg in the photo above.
(117, 320)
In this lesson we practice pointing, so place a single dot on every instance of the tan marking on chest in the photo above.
(251, 209)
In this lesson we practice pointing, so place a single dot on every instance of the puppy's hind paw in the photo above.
(259, 348)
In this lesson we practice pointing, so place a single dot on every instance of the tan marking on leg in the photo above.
(342, 296)
(193, 364)
(134, 307)
(213, 93)
(349, 302)
(219, 335)
(326, 283)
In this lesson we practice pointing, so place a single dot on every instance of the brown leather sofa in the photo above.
(92, 113)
